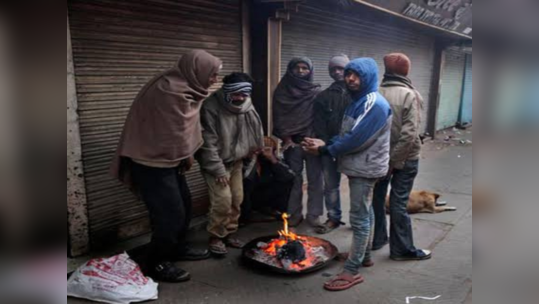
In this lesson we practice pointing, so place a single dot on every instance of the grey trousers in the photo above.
(297, 160)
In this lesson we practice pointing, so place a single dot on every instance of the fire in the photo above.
(287, 236)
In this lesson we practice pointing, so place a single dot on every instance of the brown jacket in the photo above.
(406, 104)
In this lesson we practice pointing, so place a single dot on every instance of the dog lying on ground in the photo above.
(424, 202)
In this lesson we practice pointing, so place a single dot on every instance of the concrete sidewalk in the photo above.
(446, 168)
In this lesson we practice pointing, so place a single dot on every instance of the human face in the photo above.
(353, 82)
(301, 70)
(239, 98)
(337, 73)
(214, 78)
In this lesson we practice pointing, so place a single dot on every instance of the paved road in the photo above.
(447, 170)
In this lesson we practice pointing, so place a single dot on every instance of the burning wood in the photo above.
(290, 252)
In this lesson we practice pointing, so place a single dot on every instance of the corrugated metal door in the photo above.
(467, 94)
(322, 32)
(451, 93)
(118, 46)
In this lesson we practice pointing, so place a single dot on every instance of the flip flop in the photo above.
(234, 243)
(218, 248)
(343, 277)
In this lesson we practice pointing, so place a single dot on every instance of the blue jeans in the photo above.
(332, 191)
(401, 238)
(362, 222)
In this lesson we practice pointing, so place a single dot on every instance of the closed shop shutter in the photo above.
(321, 32)
(451, 93)
(467, 94)
(117, 47)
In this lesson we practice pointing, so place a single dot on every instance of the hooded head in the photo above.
(302, 68)
(361, 77)
(336, 67)
(397, 64)
(200, 69)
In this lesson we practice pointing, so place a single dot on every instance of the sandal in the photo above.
(234, 243)
(218, 247)
(328, 227)
(346, 280)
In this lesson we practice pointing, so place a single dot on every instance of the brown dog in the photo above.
(424, 202)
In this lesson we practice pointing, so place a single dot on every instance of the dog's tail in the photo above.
(444, 209)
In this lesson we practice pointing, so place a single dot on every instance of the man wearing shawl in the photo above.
(293, 115)
(406, 103)
(362, 150)
(161, 134)
(329, 110)
(232, 133)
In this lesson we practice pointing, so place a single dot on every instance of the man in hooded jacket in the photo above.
(362, 150)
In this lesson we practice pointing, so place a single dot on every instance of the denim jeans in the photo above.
(362, 222)
(401, 238)
(297, 159)
(332, 191)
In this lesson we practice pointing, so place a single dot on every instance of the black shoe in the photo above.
(376, 247)
(420, 255)
(192, 254)
(169, 273)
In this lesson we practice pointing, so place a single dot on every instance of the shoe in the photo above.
(169, 273)
(367, 263)
(420, 255)
(192, 254)
(328, 227)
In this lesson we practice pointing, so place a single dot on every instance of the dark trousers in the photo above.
(167, 196)
(259, 195)
(401, 238)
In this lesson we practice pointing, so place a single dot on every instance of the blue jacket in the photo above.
(362, 148)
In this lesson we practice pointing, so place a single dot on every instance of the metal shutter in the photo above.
(117, 47)
(320, 33)
(451, 93)
(467, 94)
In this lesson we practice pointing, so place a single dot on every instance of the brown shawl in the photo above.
(163, 125)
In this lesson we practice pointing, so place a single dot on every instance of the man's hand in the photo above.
(288, 143)
(268, 154)
(187, 164)
(223, 181)
(312, 145)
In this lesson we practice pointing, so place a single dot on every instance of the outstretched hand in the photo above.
(312, 145)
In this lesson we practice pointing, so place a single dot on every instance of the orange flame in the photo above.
(285, 233)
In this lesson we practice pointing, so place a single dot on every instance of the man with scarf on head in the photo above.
(293, 116)
(161, 134)
(232, 133)
(406, 103)
(362, 150)
(329, 110)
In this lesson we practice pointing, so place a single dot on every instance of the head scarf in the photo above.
(238, 87)
(163, 125)
(293, 102)
(339, 61)
(398, 64)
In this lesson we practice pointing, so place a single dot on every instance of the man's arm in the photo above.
(208, 155)
(409, 132)
(358, 139)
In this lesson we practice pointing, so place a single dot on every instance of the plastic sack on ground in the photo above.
(114, 280)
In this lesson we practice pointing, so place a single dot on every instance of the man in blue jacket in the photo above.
(362, 152)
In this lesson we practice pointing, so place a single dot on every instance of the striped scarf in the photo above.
(240, 87)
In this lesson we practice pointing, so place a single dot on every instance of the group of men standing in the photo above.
(354, 127)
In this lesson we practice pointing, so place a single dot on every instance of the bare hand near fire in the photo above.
(311, 145)
(223, 181)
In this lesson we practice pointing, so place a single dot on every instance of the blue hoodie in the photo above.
(362, 148)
